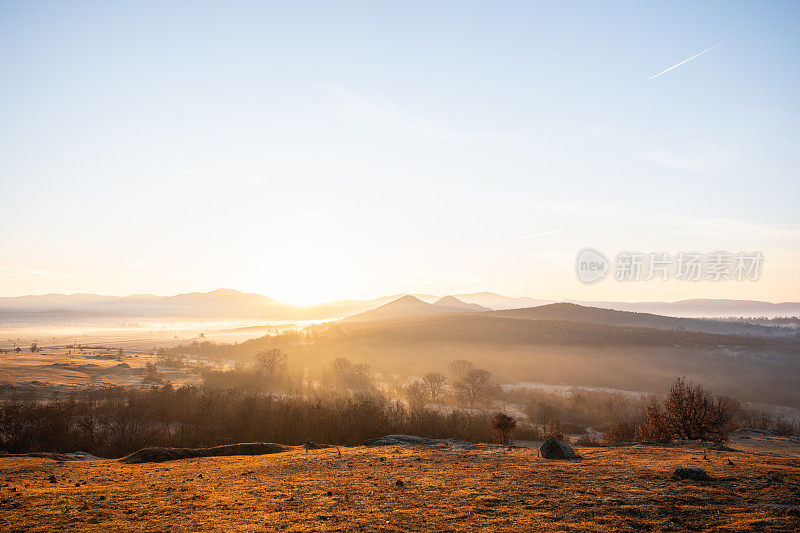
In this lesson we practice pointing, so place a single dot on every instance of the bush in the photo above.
(503, 426)
(553, 429)
(621, 432)
(573, 429)
(774, 423)
(588, 441)
(151, 373)
(689, 412)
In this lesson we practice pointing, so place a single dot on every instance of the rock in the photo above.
(398, 440)
(311, 445)
(553, 448)
(59, 457)
(695, 474)
(157, 455)
(751, 432)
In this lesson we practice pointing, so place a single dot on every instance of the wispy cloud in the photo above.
(676, 65)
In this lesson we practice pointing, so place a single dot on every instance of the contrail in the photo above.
(529, 236)
(686, 60)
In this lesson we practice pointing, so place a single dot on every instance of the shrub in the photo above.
(573, 429)
(621, 432)
(503, 426)
(151, 373)
(771, 422)
(588, 441)
(689, 412)
(553, 429)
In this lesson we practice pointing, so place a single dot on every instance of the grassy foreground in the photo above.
(441, 489)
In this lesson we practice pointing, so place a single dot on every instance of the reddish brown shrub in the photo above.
(503, 426)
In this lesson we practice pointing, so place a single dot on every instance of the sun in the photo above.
(306, 276)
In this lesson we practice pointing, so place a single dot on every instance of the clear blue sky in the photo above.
(316, 150)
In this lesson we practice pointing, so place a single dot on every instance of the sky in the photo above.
(312, 151)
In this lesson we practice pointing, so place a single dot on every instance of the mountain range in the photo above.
(229, 303)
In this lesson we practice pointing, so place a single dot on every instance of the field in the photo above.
(414, 488)
(66, 370)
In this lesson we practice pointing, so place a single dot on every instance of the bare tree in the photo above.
(351, 375)
(416, 394)
(434, 382)
(271, 360)
(475, 385)
(459, 369)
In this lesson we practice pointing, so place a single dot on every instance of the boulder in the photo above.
(553, 448)
(311, 445)
(399, 440)
(158, 455)
(695, 474)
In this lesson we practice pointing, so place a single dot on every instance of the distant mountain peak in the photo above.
(407, 299)
(454, 303)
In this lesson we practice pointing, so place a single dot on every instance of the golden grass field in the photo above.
(67, 370)
(443, 489)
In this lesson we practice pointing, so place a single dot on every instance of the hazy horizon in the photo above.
(382, 296)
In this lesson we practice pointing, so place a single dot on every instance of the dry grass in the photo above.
(67, 370)
(490, 488)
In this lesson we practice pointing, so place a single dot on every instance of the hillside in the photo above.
(597, 315)
(407, 306)
(704, 307)
(443, 325)
(408, 488)
(549, 351)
